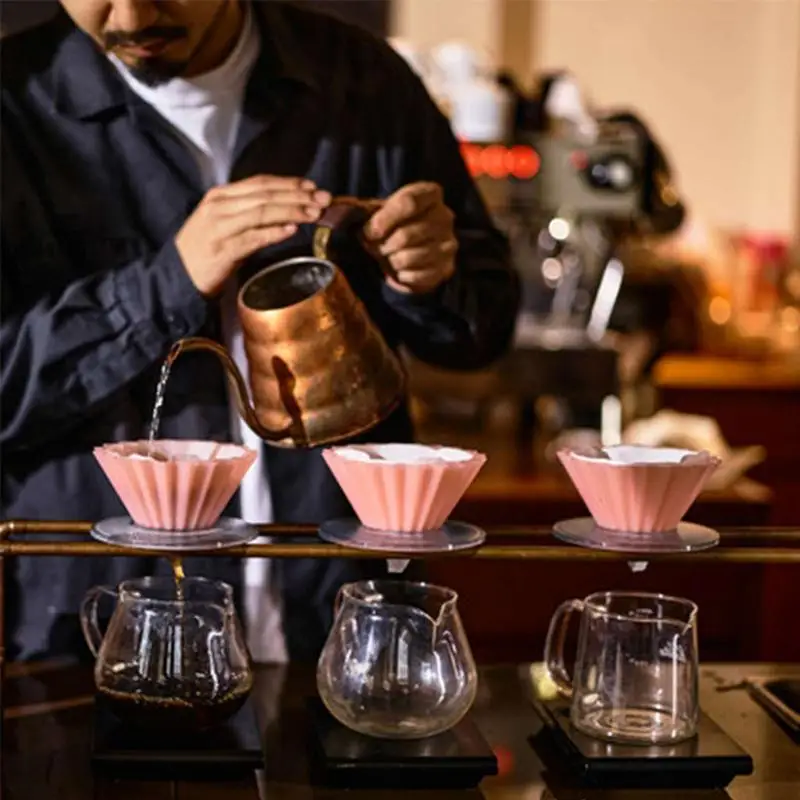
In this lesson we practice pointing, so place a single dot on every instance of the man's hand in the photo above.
(412, 234)
(234, 221)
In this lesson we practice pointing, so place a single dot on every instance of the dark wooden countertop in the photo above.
(47, 742)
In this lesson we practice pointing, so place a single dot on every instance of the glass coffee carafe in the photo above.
(636, 670)
(397, 663)
(173, 657)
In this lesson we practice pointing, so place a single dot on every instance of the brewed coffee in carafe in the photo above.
(189, 707)
(168, 707)
(173, 659)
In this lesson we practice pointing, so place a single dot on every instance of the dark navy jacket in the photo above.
(94, 188)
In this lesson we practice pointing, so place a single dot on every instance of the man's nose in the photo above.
(132, 15)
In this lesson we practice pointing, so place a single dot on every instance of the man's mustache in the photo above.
(167, 33)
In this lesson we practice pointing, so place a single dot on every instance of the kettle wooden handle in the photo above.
(343, 212)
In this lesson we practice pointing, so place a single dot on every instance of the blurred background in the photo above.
(644, 160)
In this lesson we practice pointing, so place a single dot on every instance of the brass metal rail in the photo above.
(69, 538)
(737, 545)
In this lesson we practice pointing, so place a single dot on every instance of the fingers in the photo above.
(234, 221)
(422, 269)
(418, 281)
(262, 202)
(261, 211)
(235, 213)
(438, 225)
(237, 248)
(298, 197)
(262, 183)
(403, 206)
(414, 234)
(270, 191)
(418, 259)
(265, 215)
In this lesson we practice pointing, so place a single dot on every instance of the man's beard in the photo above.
(150, 71)
(156, 72)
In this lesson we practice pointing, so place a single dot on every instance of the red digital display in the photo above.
(499, 162)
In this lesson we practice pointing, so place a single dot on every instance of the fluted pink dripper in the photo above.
(177, 485)
(403, 488)
(638, 489)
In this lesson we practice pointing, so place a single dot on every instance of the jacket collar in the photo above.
(88, 86)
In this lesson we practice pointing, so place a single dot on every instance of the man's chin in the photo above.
(154, 71)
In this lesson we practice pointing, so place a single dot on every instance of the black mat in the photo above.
(228, 752)
(710, 760)
(457, 759)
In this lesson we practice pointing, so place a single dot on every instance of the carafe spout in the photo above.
(434, 611)
(238, 385)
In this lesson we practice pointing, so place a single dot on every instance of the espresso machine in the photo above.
(569, 187)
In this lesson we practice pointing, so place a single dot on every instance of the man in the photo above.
(156, 153)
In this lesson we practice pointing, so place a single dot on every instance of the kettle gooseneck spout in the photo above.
(240, 392)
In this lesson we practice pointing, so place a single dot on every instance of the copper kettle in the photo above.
(320, 370)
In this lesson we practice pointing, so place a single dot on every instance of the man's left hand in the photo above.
(412, 235)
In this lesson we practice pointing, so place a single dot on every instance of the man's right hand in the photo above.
(234, 221)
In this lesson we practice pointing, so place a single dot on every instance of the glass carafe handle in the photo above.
(90, 624)
(554, 646)
(337, 603)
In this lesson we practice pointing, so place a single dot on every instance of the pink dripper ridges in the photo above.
(641, 497)
(403, 497)
(185, 486)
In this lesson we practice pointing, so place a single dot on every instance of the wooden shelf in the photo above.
(712, 372)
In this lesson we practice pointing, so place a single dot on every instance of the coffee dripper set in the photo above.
(397, 663)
